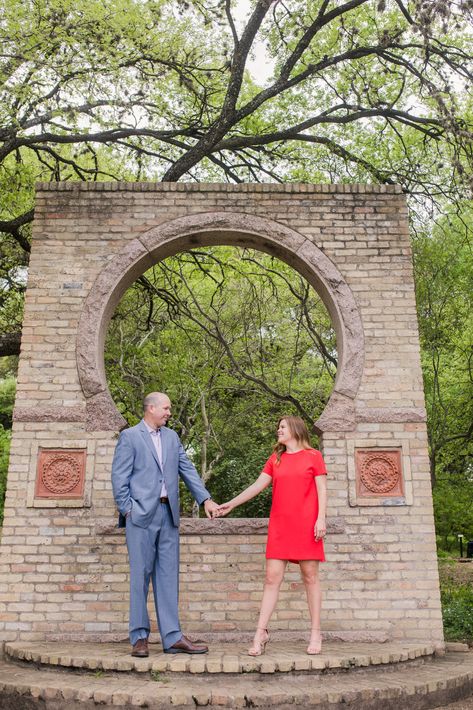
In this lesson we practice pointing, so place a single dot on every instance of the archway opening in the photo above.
(237, 338)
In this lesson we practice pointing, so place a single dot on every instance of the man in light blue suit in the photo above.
(148, 461)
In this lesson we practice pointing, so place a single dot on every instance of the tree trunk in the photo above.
(10, 344)
(203, 449)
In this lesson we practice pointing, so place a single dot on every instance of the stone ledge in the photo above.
(390, 415)
(49, 414)
(121, 186)
(222, 526)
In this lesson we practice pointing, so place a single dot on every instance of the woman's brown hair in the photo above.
(299, 431)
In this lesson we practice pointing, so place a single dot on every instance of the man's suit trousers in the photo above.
(154, 554)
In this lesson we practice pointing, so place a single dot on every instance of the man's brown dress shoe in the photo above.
(185, 645)
(140, 649)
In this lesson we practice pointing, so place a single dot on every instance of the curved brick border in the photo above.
(218, 228)
(417, 684)
(284, 657)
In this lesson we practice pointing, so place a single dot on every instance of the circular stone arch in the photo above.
(218, 229)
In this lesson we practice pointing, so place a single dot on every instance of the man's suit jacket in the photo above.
(137, 476)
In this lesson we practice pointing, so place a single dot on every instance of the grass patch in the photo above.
(158, 677)
(456, 590)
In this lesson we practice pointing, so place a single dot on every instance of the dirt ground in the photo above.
(454, 571)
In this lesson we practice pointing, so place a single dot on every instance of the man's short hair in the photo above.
(153, 398)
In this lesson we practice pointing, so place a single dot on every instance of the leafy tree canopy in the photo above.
(361, 90)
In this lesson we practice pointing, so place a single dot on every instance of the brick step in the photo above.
(416, 686)
(280, 657)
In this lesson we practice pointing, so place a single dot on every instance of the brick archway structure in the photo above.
(217, 228)
(63, 570)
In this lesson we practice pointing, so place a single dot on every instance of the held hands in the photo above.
(223, 509)
(211, 508)
(320, 528)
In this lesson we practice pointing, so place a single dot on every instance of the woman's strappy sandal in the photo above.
(259, 647)
(315, 647)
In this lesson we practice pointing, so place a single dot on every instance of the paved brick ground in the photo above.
(420, 684)
(280, 657)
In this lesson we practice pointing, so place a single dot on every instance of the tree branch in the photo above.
(13, 227)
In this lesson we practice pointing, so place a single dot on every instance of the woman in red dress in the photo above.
(296, 523)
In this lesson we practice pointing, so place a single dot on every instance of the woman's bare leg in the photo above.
(310, 577)
(274, 576)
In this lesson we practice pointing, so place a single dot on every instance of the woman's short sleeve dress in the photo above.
(295, 506)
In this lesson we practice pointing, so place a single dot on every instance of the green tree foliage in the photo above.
(358, 90)
(453, 507)
(236, 338)
(7, 398)
(444, 283)
(4, 456)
